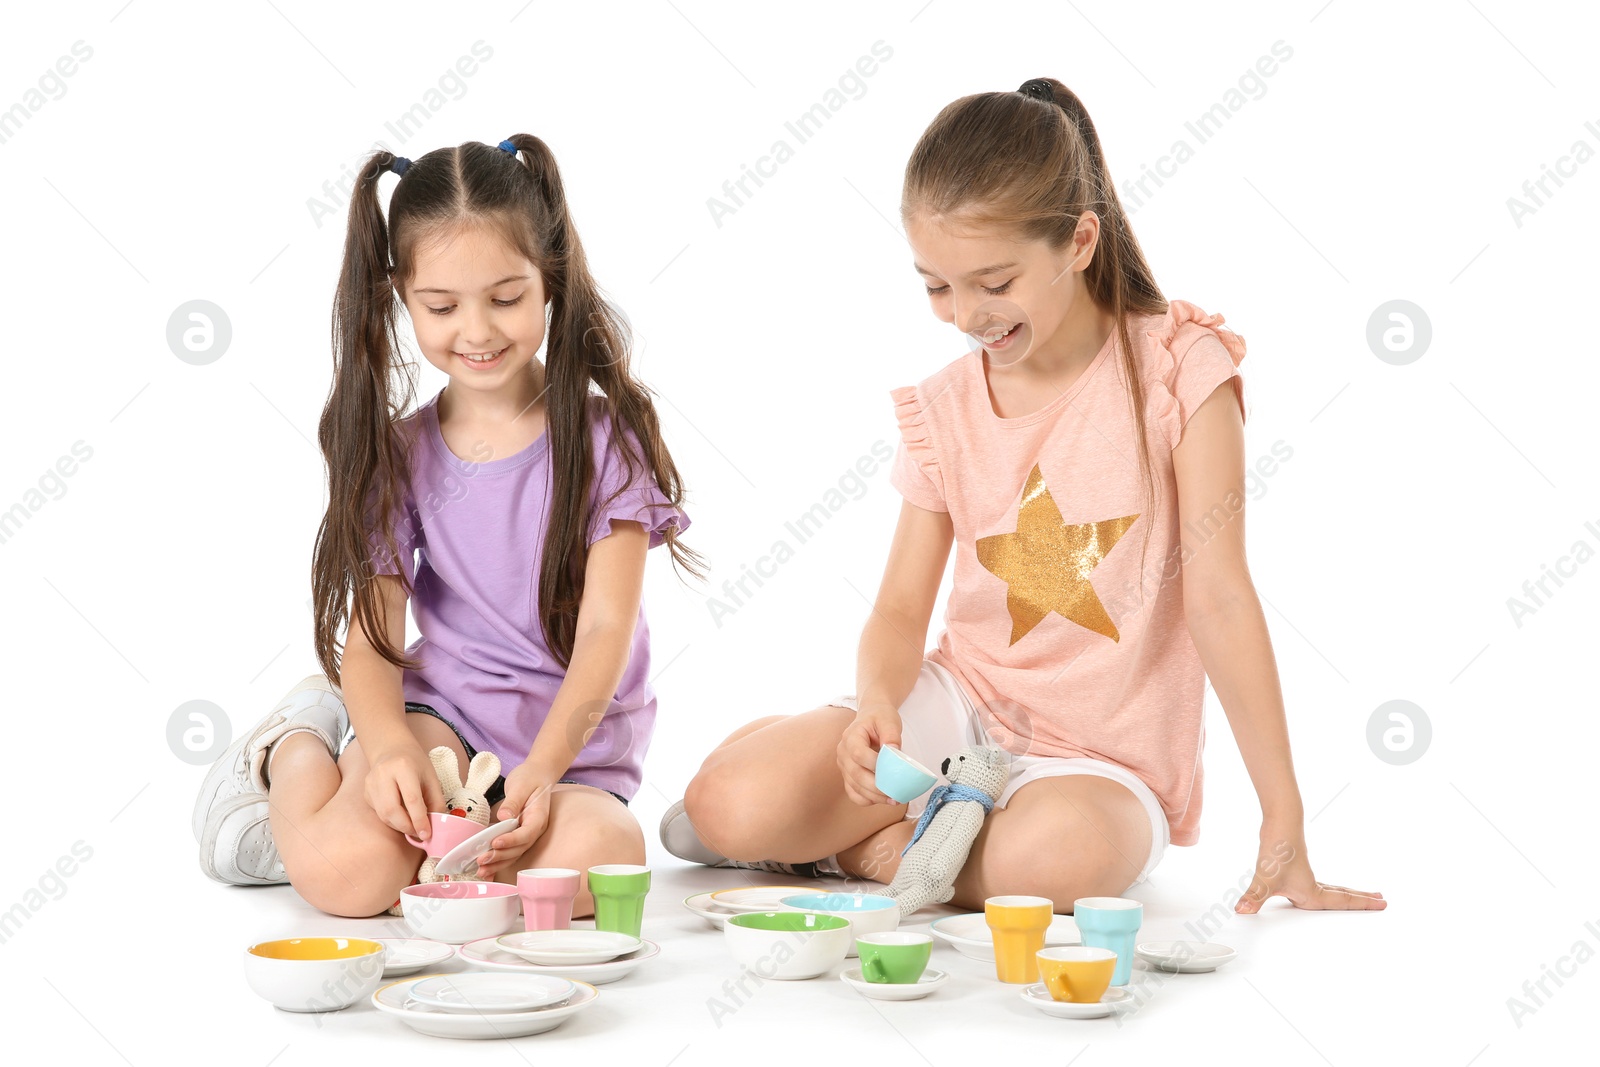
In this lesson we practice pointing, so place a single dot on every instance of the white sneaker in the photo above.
(231, 813)
(679, 838)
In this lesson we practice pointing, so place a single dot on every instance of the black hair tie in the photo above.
(1039, 89)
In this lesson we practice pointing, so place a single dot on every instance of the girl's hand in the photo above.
(528, 801)
(402, 788)
(858, 753)
(1282, 869)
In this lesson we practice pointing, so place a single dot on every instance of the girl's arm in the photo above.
(608, 614)
(1230, 634)
(892, 644)
(401, 786)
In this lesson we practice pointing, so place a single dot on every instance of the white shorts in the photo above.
(937, 720)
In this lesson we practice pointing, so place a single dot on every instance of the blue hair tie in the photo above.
(400, 163)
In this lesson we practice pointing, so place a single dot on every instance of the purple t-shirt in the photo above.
(471, 537)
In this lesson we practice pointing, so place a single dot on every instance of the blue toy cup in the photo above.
(1113, 923)
(900, 777)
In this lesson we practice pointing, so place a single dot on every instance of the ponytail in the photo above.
(366, 467)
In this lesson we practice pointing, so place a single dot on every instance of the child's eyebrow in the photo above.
(980, 272)
(496, 285)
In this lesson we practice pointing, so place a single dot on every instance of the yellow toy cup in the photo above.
(1077, 973)
(1018, 924)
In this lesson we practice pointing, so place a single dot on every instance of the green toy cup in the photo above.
(894, 958)
(619, 890)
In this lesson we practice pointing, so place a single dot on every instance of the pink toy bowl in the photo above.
(448, 831)
(457, 912)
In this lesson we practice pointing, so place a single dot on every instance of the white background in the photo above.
(177, 164)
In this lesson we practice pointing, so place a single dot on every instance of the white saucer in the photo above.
(1184, 957)
(709, 910)
(971, 936)
(435, 1022)
(487, 993)
(930, 980)
(459, 858)
(408, 955)
(1116, 997)
(554, 948)
(485, 953)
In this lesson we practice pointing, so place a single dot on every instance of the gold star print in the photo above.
(1047, 562)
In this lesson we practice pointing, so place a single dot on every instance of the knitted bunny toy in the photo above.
(465, 799)
(945, 832)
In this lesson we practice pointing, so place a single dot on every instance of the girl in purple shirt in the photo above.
(514, 509)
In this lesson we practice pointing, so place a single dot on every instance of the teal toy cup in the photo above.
(1113, 923)
(901, 778)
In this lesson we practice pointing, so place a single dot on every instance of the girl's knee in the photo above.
(724, 805)
(354, 893)
(621, 841)
(586, 828)
(361, 877)
(599, 826)
(1043, 861)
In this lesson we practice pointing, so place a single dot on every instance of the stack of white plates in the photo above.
(477, 1005)
(489, 953)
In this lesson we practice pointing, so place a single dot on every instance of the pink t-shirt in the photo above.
(1047, 627)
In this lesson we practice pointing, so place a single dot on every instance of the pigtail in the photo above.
(366, 465)
(586, 343)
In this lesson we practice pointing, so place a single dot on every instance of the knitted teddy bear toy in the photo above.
(465, 799)
(944, 834)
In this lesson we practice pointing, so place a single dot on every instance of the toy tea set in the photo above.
(531, 980)
(1074, 967)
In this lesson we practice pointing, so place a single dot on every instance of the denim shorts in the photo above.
(496, 792)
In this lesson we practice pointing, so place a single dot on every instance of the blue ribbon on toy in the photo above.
(942, 796)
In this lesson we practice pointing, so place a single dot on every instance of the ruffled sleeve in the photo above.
(915, 472)
(619, 493)
(1191, 356)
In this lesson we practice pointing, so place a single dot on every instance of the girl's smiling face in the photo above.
(1011, 296)
(475, 296)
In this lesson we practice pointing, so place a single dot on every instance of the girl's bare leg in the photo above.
(336, 851)
(773, 791)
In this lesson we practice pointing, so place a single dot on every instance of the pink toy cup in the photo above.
(447, 832)
(547, 894)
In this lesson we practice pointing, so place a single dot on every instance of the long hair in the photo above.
(1031, 165)
(522, 198)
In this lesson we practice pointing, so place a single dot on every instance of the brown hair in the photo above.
(521, 198)
(1029, 162)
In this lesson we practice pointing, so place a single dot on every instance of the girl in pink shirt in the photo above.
(1085, 459)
